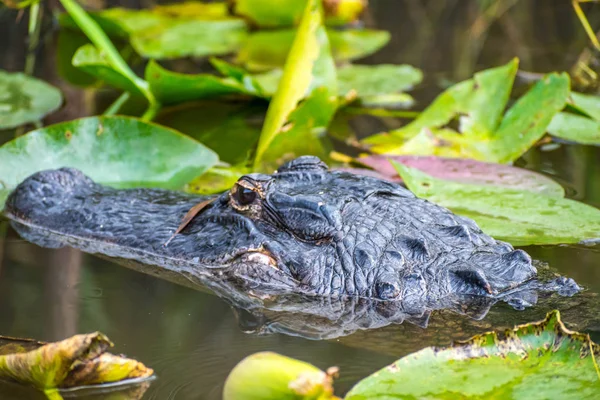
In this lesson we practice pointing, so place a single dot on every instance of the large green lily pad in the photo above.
(541, 360)
(24, 99)
(520, 217)
(118, 151)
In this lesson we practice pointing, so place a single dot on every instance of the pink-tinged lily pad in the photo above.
(468, 171)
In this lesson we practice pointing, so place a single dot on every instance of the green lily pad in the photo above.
(374, 85)
(78, 361)
(575, 128)
(538, 360)
(483, 132)
(190, 38)
(24, 99)
(309, 66)
(172, 87)
(265, 50)
(173, 31)
(520, 217)
(373, 80)
(579, 128)
(118, 151)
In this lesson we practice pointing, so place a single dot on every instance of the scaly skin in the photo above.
(303, 230)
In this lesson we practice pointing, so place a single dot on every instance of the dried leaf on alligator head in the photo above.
(79, 361)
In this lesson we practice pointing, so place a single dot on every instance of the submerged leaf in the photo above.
(118, 151)
(265, 50)
(469, 171)
(520, 217)
(537, 360)
(24, 99)
(78, 361)
(266, 376)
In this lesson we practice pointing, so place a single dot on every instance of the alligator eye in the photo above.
(245, 196)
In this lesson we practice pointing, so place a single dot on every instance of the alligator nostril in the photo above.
(387, 290)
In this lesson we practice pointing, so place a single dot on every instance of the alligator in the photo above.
(303, 230)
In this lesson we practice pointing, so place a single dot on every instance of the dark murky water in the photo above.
(193, 339)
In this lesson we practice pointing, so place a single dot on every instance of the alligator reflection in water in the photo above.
(324, 318)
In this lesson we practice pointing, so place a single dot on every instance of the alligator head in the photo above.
(303, 229)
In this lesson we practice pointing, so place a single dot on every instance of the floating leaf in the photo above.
(119, 151)
(78, 361)
(190, 38)
(579, 128)
(586, 103)
(284, 13)
(265, 50)
(373, 80)
(519, 217)
(309, 66)
(172, 87)
(266, 375)
(469, 171)
(173, 31)
(376, 86)
(537, 360)
(24, 99)
(483, 133)
(575, 128)
(93, 62)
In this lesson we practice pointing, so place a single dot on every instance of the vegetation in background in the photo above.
(285, 77)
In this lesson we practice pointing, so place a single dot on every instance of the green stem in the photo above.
(151, 112)
(117, 104)
(34, 27)
(97, 36)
